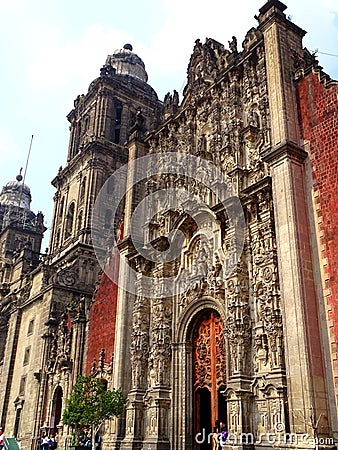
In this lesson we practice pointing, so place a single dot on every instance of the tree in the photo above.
(89, 405)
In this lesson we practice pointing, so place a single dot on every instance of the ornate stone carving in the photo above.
(59, 355)
(238, 328)
(160, 349)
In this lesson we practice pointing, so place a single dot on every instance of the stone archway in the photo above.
(56, 409)
(208, 375)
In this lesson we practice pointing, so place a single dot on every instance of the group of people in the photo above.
(50, 442)
(47, 442)
(219, 436)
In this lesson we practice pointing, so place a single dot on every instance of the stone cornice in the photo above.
(273, 11)
(287, 150)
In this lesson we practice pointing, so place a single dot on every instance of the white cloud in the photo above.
(58, 60)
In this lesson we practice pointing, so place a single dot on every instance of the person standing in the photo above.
(223, 434)
(2, 438)
(45, 442)
(215, 439)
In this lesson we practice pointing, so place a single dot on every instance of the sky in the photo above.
(50, 51)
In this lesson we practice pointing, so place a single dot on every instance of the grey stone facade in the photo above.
(228, 327)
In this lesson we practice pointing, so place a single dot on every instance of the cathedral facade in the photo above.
(191, 258)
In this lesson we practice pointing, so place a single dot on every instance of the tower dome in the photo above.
(126, 62)
(16, 193)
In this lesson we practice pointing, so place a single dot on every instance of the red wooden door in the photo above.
(209, 373)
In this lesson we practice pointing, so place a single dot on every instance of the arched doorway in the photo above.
(56, 410)
(209, 375)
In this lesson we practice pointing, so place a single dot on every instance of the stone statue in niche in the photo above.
(200, 265)
(254, 119)
(262, 349)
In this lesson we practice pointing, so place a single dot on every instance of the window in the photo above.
(30, 327)
(83, 189)
(118, 116)
(117, 136)
(70, 220)
(118, 120)
(62, 204)
(78, 133)
(79, 221)
(26, 356)
(86, 123)
(22, 385)
(57, 239)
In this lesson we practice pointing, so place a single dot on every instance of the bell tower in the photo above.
(99, 128)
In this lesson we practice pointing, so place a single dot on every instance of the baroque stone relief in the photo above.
(60, 347)
(160, 343)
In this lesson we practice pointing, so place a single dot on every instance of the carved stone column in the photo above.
(139, 351)
(304, 365)
(159, 372)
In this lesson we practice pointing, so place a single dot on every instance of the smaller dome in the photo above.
(126, 62)
(15, 193)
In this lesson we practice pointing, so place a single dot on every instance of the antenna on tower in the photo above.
(19, 178)
(29, 152)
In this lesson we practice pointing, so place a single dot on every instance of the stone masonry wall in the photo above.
(319, 126)
(101, 333)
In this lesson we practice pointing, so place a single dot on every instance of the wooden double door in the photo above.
(209, 376)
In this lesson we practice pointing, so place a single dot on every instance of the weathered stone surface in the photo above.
(234, 327)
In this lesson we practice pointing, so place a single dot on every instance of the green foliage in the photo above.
(90, 403)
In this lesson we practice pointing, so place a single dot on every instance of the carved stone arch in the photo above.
(70, 219)
(205, 235)
(229, 393)
(270, 390)
(188, 223)
(205, 335)
(183, 364)
(56, 408)
(189, 317)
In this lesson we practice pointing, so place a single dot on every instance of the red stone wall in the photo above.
(102, 320)
(318, 104)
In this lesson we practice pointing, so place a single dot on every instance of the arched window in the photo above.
(70, 220)
(57, 239)
(62, 205)
(79, 220)
(82, 189)
(77, 142)
(56, 409)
